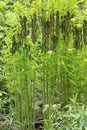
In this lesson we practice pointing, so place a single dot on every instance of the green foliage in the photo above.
(2, 4)
(72, 116)
(20, 76)
(72, 72)
(43, 75)
(20, 9)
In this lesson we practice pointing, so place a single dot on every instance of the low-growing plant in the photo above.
(73, 116)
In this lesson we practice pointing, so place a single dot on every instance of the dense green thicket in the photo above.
(43, 66)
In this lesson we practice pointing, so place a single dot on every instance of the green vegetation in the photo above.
(43, 65)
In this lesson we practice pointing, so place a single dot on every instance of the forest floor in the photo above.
(6, 123)
(6, 126)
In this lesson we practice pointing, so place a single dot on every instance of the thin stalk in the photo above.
(85, 31)
(43, 34)
(66, 27)
(56, 38)
(34, 28)
(34, 101)
(47, 27)
(52, 31)
(20, 97)
(77, 36)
